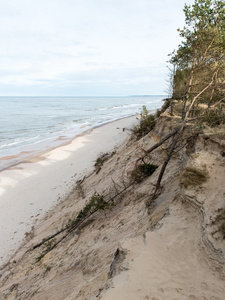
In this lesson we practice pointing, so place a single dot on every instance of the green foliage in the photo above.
(201, 52)
(49, 244)
(193, 177)
(39, 258)
(146, 124)
(142, 171)
(147, 169)
(96, 202)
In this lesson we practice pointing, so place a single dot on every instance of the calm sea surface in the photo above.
(39, 123)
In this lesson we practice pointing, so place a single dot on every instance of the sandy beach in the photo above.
(31, 188)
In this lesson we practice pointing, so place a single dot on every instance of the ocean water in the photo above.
(35, 124)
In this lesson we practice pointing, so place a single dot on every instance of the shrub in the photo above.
(142, 171)
(96, 202)
(147, 123)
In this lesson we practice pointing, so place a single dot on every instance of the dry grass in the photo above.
(214, 118)
(192, 176)
(220, 221)
(103, 157)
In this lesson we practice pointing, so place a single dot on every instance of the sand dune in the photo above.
(171, 247)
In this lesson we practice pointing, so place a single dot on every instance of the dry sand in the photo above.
(168, 248)
(29, 189)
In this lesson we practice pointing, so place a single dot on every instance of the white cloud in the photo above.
(90, 46)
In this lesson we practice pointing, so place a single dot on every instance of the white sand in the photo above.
(30, 189)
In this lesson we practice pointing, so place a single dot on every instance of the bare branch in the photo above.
(221, 100)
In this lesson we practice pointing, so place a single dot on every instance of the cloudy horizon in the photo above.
(88, 47)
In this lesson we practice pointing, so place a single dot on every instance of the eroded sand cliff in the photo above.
(170, 247)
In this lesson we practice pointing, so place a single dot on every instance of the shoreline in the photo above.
(42, 148)
(28, 190)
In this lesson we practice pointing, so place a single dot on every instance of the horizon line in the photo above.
(146, 95)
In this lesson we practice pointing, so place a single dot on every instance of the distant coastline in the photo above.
(34, 125)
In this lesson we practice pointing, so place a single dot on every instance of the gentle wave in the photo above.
(124, 106)
(30, 121)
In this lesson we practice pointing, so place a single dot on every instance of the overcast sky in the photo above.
(87, 47)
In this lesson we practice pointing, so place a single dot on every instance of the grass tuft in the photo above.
(193, 177)
(103, 157)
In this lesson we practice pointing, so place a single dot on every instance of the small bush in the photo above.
(144, 170)
(147, 123)
(96, 202)
(193, 177)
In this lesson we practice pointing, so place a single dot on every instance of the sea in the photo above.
(33, 125)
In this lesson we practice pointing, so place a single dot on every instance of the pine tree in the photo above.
(201, 55)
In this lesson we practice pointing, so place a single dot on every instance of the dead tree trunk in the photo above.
(178, 135)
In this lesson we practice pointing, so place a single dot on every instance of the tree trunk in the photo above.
(189, 84)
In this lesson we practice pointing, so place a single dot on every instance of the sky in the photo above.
(87, 47)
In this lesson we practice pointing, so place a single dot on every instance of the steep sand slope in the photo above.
(167, 248)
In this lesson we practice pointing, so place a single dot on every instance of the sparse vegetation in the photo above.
(39, 258)
(142, 171)
(79, 189)
(166, 104)
(146, 124)
(103, 157)
(192, 176)
(95, 203)
(49, 244)
(214, 118)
